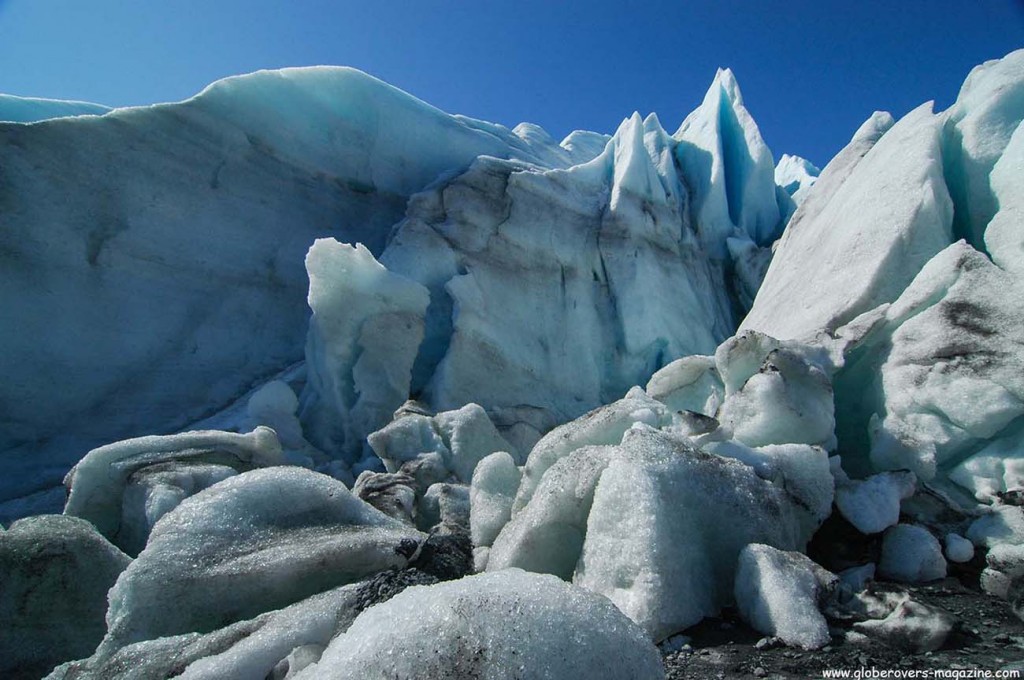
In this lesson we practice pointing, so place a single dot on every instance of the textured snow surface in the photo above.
(252, 543)
(124, 488)
(779, 593)
(55, 572)
(493, 626)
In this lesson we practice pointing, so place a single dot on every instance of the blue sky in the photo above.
(811, 70)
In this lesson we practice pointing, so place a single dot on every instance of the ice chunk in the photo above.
(780, 593)
(911, 554)
(978, 128)
(796, 176)
(958, 548)
(999, 524)
(450, 443)
(490, 626)
(729, 167)
(873, 505)
(879, 227)
(604, 425)
(275, 405)
(856, 579)
(645, 524)
(495, 483)
(787, 400)
(55, 572)
(366, 327)
(1004, 236)
(951, 376)
(252, 543)
(994, 470)
(470, 437)
(444, 504)
(97, 484)
(691, 384)
(392, 494)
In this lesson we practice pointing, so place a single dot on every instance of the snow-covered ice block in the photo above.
(491, 626)
(444, 504)
(97, 484)
(366, 328)
(951, 378)
(999, 524)
(470, 437)
(653, 523)
(604, 425)
(979, 126)
(55, 572)
(691, 384)
(495, 483)
(780, 593)
(879, 227)
(911, 554)
(958, 548)
(994, 470)
(457, 439)
(873, 504)
(786, 401)
(255, 542)
(276, 644)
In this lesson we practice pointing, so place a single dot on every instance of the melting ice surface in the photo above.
(304, 340)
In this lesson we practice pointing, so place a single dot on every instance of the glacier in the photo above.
(289, 353)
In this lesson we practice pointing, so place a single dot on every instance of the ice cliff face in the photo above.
(167, 280)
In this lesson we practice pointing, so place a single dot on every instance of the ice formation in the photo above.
(655, 366)
(491, 626)
(780, 593)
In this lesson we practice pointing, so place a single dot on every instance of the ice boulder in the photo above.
(781, 593)
(366, 328)
(688, 384)
(911, 554)
(252, 543)
(788, 400)
(604, 425)
(958, 548)
(495, 482)
(491, 626)
(873, 504)
(449, 444)
(125, 487)
(55, 572)
(652, 523)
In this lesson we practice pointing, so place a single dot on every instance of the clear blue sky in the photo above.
(811, 70)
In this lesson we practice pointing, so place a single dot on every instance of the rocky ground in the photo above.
(988, 637)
